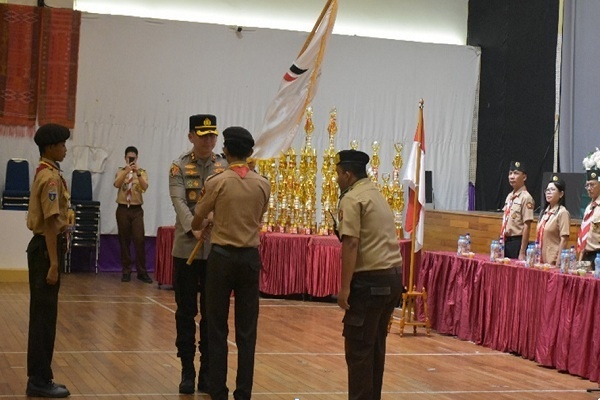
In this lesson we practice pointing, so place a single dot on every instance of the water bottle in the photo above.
(564, 260)
(529, 257)
(501, 247)
(493, 250)
(461, 245)
(468, 243)
(537, 253)
(572, 258)
(597, 266)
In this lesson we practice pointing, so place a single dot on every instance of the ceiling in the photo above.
(433, 21)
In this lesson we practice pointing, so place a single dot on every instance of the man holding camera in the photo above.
(132, 182)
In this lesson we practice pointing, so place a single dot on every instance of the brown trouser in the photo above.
(373, 296)
(130, 222)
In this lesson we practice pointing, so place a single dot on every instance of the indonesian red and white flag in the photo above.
(414, 179)
(296, 91)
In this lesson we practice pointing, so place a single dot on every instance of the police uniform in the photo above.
(49, 199)
(238, 197)
(518, 209)
(130, 224)
(186, 180)
(590, 224)
(376, 284)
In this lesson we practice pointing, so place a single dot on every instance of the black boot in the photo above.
(188, 377)
(203, 380)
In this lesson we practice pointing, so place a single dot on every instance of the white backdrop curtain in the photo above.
(139, 81)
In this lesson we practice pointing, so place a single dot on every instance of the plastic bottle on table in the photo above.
(468, 243)
(501, 247)
(537, 253)
(572, 258)
(493, 250)
(564, 260)
(597, 266)
(529, 256)
(461, 245)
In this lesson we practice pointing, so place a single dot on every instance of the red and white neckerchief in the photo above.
(129, 187)
(540, 234)
(586, 224)
(506, 215)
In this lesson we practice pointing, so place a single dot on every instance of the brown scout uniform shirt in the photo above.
(557, 225)
(593, 238)
(520, 212)
(365, 214)
(49, 197)
(238, 204)
(136, 190)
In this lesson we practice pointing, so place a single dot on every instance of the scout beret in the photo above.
(517, 166)
(239, 135)
(592, 174)
(559, 183)
(51, 134)
(203, 124)
(352, 157)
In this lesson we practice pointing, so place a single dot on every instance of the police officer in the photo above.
(186, 180)
(518, 213)
(131, 183)
(48, 218)
(371, 274)
(588, 240)
(237, 198)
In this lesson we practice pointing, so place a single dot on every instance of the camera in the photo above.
(131, 160)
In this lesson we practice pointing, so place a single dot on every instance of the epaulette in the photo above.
(213, 175)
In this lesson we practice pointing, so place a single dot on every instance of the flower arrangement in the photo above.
(592, 160)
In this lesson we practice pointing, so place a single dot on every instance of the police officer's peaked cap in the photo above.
(203, 124)
(238, 134)
(352, 157)
(592, 174)
(518, 166)
(51, 134)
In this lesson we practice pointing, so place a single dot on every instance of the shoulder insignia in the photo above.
(529, 205)
(218, 170)
(340, 216)
(174, 170)
(52, 195)
(202, 192)
(213, 175)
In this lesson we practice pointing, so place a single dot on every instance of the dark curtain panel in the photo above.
(517, 92)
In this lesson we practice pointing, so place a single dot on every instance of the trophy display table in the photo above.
(292, 264)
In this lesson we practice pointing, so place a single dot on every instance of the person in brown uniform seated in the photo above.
(371, 274)
(48, 218)
(132, 182)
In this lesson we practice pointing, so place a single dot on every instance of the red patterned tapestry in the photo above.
(58, 66)
(19, 60)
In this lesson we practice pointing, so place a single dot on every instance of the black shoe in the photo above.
(49, 389)
(126, 278)
(186, 386)
(146, 279)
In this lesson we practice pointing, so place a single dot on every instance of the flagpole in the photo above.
(314, 29)
(415, 202)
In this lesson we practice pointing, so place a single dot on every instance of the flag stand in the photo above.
(409, 312)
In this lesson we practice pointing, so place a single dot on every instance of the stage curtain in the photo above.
(19, 62)
(58, 66)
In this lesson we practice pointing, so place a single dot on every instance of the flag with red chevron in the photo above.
(297, 89)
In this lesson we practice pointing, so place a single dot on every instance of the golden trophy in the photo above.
(375, 162)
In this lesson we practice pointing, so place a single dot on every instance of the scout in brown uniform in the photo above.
(186, 179)
(553, 227)
(588, 240)
(371, 274)
(48, 218)
(238, 198)
(518, 213)
(132, 182)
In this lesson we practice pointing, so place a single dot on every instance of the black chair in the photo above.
(16, 189)
(86, 230)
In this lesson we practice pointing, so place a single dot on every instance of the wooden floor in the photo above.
(116, 341)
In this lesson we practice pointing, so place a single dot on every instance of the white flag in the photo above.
(414, 176)
(298, 88)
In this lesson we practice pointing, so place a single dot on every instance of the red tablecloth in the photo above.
(543, 316)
